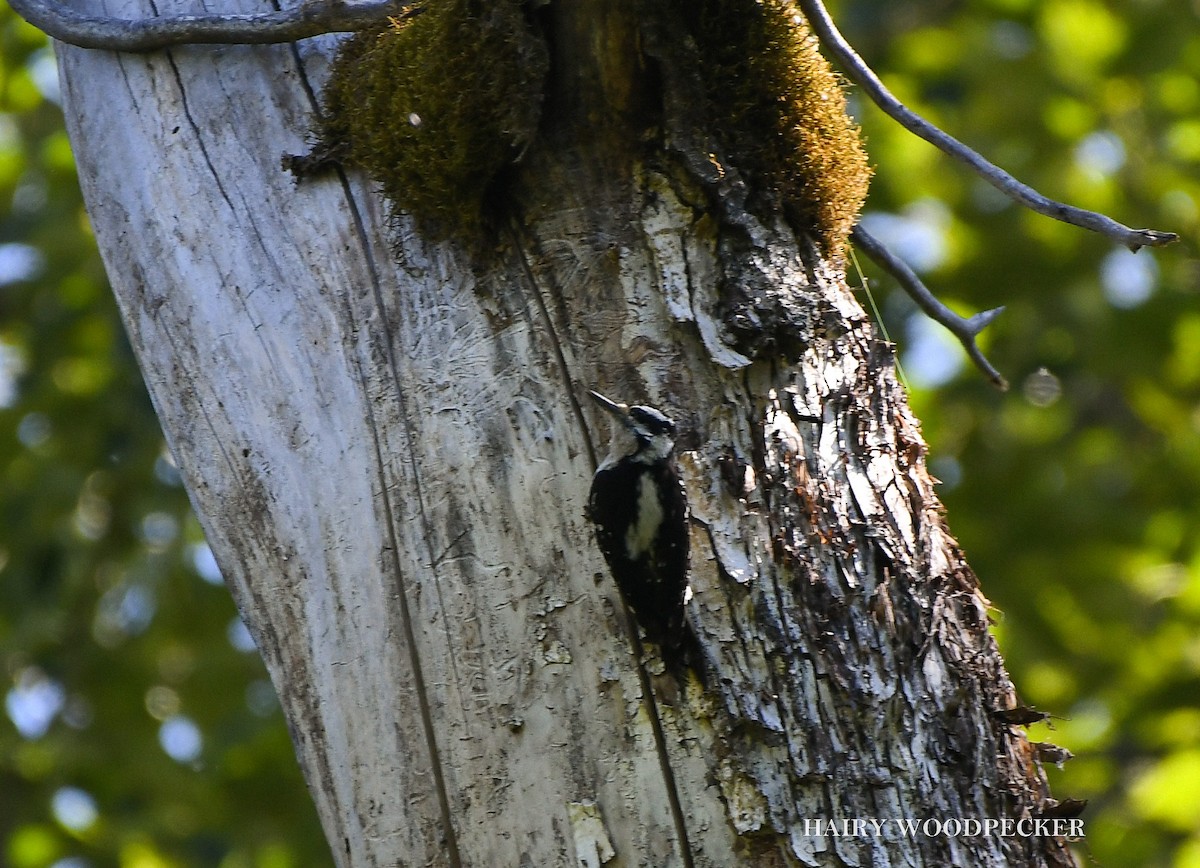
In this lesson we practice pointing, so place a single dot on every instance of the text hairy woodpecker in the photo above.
(640, 511)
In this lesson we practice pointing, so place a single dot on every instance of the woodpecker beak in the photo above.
(621, 411)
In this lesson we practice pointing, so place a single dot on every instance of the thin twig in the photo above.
(864, 77)
(145, 34)
(966, 330)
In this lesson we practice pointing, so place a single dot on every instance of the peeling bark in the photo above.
(390, 455)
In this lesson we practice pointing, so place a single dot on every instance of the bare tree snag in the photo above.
(387, 442)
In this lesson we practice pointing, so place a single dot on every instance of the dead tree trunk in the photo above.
(388, 447)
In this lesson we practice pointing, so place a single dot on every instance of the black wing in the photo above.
(653, 584)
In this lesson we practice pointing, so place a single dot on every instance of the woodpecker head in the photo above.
(643, 434)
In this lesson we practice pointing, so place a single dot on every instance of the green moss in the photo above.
(780, 111)
(434, 107)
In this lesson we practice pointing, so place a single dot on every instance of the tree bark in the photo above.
(388, 447)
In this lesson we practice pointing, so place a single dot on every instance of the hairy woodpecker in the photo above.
(638, 506)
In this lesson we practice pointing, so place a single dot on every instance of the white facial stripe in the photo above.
(641, 534)
(657, 449)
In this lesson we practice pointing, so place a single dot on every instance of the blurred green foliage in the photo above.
(139, 729)
(1076, 495)
(139, 732)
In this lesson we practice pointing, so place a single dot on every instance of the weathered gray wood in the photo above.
(393, 487)
(391, 462)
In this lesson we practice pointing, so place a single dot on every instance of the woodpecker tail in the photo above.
(682, 651)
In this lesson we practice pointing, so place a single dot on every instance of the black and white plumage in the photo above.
(640, 511)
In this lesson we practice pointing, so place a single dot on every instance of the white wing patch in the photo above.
(641, 534)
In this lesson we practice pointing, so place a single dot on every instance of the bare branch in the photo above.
(145, 34)
(966, 330)
(864, 77)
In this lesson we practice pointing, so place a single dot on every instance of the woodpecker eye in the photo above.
(651, 421)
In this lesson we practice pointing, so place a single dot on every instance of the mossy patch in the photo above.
(436, 106)
(780, 111)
